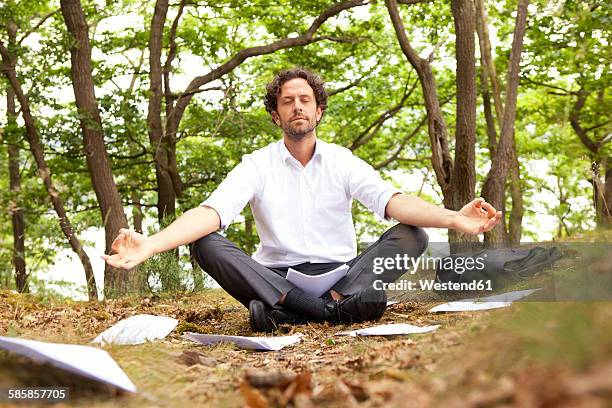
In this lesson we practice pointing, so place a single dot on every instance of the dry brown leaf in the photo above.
(253, 397)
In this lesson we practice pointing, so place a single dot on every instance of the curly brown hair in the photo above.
(274, 87)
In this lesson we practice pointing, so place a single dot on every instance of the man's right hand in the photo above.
(129, 249)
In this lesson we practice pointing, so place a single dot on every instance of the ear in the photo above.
(319, 113)
(276, 118)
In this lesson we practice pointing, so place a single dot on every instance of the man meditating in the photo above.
(300, 191)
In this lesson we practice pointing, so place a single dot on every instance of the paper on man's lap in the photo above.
(317, 285)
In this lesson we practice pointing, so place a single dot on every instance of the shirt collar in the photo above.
(320, 147)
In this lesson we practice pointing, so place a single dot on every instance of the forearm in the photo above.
(192, 225)
(412, 210)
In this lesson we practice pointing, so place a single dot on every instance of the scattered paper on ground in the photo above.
(389, 330)
(485, 303)
(89, 362)
(137, 329)
(250, 343)
(392, 302)
(317, 285)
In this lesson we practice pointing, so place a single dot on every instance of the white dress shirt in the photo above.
(302, 213)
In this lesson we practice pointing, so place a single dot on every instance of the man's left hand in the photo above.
(477, 217)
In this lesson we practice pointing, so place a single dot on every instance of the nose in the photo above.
(298, 105)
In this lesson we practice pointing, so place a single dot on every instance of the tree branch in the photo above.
(410, 2)
(558, 88)
(33, 29)
(574, 118)
(368, 133)
(403, 143)
(171, 55)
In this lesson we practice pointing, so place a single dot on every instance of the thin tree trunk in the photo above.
(608, 194)
(166, 195)
(437, 129)
(44, 171)
(15, 210)
(137, 216)
(515, 227)
(493, 189)
(513, 231)
(488, 113)
(482, 20)
(602, 190)
(116, 281)
(464, 175)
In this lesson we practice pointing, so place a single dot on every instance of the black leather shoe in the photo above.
(369, 304)
(263, 318)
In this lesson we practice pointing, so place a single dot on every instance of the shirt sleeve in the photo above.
(234, 192)
(367, 186)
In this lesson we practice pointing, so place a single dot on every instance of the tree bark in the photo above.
(493, 189)
(15, 210)
(602, 192)
(166, 195)
(482, 20)
(137, 216)
(116, 281)
(464, 169)
(44, 172)
(513, 231)
(515, 227)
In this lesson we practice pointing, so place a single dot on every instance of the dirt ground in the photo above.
(531, 354)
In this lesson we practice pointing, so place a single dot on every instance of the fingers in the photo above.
(492, 222)
(482, 205)
(491, 211)
(117, 261)
(117, 243)
(123, 238)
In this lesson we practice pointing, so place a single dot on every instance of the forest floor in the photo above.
(535, 353)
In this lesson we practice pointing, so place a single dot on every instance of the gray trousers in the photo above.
(245, 279)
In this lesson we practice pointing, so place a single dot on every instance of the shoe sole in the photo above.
(257, 312)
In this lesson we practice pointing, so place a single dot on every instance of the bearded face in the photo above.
(297, 111)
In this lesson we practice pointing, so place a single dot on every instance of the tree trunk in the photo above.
(116, 281)
(437, 129)
(464, 175)
(482, 24)
(137, 216)
(493, 189)
(513, 231)
(608, 194)
(602, 192)
(15, 210)
(166, 195)
(515, 227)
(45, 172)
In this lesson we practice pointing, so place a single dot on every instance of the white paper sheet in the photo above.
(390, 330)
(485, 303)
(89, 362)
(249, 343)
(137, 329)
(392, 302)
(317, 285)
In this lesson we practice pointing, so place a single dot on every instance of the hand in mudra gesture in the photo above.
(129, 249)
(477, 217)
